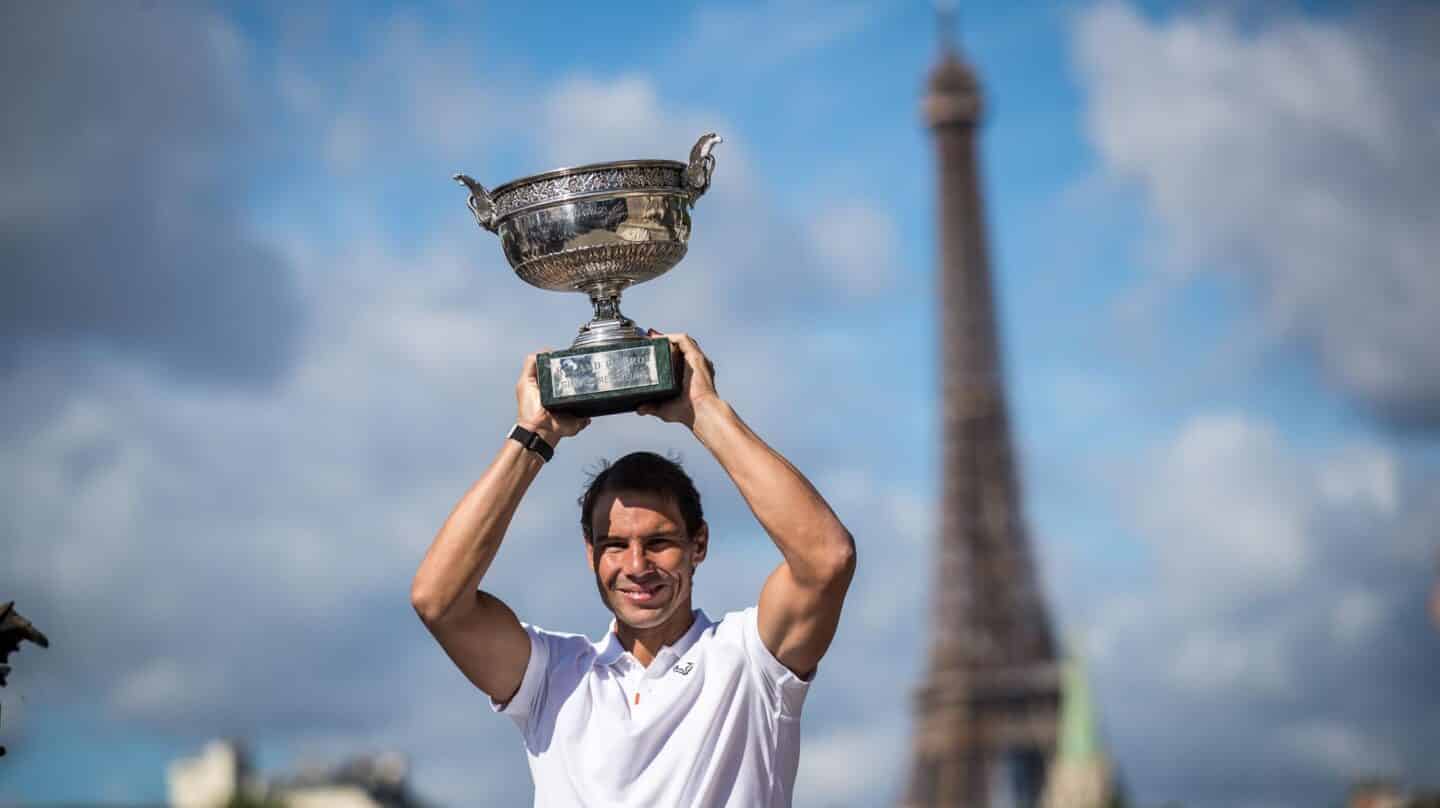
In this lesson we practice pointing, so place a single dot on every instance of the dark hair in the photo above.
(643, 471)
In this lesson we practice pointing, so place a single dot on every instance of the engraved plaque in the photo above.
(603, 372)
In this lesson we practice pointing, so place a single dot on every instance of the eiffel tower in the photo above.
(986, 715)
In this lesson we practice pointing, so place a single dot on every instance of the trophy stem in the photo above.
(609, 324)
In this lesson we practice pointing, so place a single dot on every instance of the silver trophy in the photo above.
(598, 229)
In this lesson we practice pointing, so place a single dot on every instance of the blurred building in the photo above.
(986, 716)
(221, 777)
(1375, 795)
(1385, 794)
(1081, 775)
(217, 776)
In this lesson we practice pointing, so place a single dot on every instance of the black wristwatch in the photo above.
(533, 442)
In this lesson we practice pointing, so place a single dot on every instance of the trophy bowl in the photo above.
(599, 229)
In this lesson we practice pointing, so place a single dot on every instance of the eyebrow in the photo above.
(671, 536)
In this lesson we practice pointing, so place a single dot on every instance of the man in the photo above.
(671, 708)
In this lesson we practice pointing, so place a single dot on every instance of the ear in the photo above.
(589, 553)
(702, 542)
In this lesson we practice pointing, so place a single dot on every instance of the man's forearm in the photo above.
(815, 544)
(467, 542)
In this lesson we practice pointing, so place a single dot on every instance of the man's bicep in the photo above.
(488, 644)
(797, 622)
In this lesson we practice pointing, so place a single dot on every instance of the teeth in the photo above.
(640, 594)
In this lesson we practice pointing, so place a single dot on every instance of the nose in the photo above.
(636, 562)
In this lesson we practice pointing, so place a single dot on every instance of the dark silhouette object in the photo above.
(15, 629)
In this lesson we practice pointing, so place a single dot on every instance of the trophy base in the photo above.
(606, 379)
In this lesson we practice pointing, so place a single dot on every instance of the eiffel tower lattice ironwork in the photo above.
(986, 716)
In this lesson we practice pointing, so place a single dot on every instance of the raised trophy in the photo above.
(598, 229)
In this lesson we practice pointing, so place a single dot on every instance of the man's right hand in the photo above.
(552, 426)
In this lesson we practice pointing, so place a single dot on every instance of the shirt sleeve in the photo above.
(785, 689)
(529, 696)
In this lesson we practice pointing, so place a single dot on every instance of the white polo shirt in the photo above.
(714, 721)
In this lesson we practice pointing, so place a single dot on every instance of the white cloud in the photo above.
(1357, 613)
(771, 32)
(840, 765)
(1366, 476)
(1227, 511)
(1272, 612)
(413, 89)
(1292, 155)
(1113, 620)
(136, 125)
(165, 686)
(856, 245)
(588, 119)
(1236, 516)
(1343, 750)
(747, 258)
(1226, 661)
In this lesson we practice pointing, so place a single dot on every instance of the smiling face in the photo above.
(643, 560)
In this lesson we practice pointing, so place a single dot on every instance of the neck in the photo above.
(645, 643)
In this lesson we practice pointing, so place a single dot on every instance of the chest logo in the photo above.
(684, 670)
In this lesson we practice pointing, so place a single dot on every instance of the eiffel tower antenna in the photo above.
(947, 18)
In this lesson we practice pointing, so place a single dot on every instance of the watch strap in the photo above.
(533, 442)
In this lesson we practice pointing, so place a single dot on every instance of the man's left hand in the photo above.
(697, 386)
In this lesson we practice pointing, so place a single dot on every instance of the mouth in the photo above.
(642, 595)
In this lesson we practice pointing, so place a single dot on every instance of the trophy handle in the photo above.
(702, 164)
(480, 202)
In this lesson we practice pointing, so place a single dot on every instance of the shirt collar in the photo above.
(609, 650)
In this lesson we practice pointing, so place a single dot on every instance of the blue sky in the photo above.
(255, 348)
